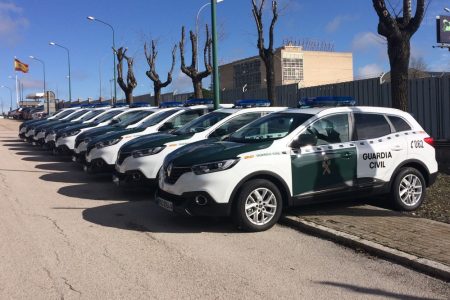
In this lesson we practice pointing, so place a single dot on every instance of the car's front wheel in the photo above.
(258, 205)
(409, 189)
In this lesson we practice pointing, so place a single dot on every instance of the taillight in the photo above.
(429, 141)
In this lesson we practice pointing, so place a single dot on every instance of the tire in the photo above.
(408, 190)
(261, 216)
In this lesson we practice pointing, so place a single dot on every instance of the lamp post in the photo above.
(10, 94)
(68, 61)
(215, 66)
(45, 93)
(197, 22)
(91, 18)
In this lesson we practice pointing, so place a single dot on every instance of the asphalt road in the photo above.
(67, 234)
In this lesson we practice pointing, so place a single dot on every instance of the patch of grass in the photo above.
(437, 202)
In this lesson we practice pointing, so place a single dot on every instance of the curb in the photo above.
(423, 265)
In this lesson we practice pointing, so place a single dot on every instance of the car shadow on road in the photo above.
(145, 216)
(47, 158)
(72, 176)
(60, 166)
(106, 190)
(362, 207)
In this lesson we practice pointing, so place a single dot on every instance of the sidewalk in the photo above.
(418, 243)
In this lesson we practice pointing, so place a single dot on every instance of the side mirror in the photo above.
(166, 127)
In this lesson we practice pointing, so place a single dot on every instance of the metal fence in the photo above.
(429, 98)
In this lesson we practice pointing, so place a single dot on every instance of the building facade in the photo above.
(292, 65)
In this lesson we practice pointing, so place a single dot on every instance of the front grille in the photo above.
(175, 174)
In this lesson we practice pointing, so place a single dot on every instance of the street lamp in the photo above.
(91, 18)
(45, 93)
(68, 61)
(197, 21)
(10, 94)
(215, 64)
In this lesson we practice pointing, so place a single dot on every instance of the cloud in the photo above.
(337, 22)
(182, 83)
(11, 23)
(370, 71)
(367, 40)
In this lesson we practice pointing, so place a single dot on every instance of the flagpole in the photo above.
(17, 92)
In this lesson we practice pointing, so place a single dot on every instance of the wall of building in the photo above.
(326, 67)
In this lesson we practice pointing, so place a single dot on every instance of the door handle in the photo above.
(397, 148)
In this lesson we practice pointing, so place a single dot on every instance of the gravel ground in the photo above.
(437, 202)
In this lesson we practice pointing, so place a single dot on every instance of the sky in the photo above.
(27, 26)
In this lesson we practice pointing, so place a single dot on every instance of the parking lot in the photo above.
(67, 234)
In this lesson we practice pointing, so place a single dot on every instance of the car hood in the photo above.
(113, 135)
(74, 127)
(152, 140)
(210, 150)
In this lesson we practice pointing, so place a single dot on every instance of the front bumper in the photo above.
(149, 165)
(132, 178)
(97, 165)
(192, 203)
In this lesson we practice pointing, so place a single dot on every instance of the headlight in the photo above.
(71, 133)
(107, 143)
(146, 152)
(214, 166)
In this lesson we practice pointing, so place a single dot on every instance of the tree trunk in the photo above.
(270, 80)
(157, 92)
(198, 88)
(399, 54)
(129, 97)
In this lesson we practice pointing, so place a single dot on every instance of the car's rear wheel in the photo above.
(409, 189)
(258, 205)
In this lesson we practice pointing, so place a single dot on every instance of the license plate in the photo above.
(165, 204)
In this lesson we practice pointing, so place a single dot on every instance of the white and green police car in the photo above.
(101, 153)
(287, 157)
(139, 160)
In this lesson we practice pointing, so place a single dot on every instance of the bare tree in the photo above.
(131, 80)
(157, 83)
(266, 54)
(398, 31)
(191, 70)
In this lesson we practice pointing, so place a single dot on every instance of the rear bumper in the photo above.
(432, 178)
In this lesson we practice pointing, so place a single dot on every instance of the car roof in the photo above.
(354, 109)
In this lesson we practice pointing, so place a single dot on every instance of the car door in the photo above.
(380, 149)
(325, 159)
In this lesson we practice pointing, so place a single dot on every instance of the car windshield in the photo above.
(91, 114)
(76, 115)
(202, 123)
(155, 119)
(106, 116)
(63, 114)
(132, 117)
(271, 127)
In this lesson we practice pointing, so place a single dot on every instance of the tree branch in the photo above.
(389, 25)
(415, 22)
(272, 24)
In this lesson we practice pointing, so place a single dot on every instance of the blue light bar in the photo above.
(326, 101)
(245, 103)
(121, 104)
(192, 102)
(140, 104)
(104, 104)
(168, 104)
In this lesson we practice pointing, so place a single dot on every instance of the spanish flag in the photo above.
(20, 66)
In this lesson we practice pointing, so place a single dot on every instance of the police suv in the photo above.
(288, 157)
(65, 138)
(101, 152)
(139, 160)
(119, 122)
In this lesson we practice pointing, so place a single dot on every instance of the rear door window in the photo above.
(399, 124)
(371, 126)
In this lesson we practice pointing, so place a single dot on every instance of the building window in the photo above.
(292, 69)
(247, 73)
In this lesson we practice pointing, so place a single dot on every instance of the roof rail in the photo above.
(323, 101)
